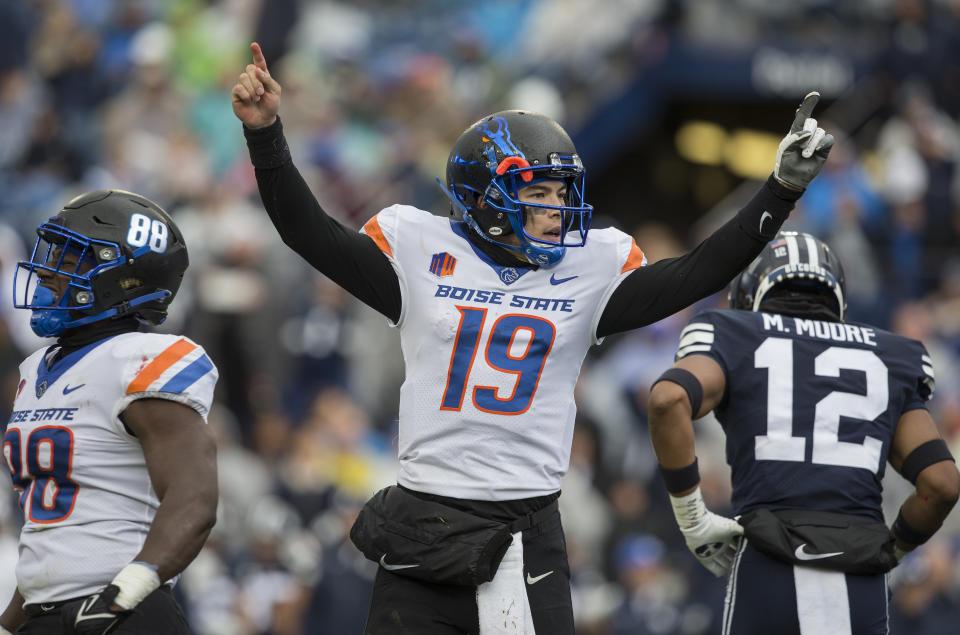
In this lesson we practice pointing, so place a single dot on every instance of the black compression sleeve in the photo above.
(347, 257)
(653, 292)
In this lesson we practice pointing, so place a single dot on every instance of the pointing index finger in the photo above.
(803, 112)
(258, 59)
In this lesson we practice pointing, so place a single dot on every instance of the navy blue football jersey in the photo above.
(810, 407)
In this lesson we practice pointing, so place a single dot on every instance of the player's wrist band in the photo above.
(680, 479)
(903, 532)
(922, 457)
(689, 382)
(136, 581)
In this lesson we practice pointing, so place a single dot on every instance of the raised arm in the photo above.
(651, 293)
(347, 257)
(921, 456)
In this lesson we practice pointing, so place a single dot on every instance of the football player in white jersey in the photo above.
(496, 308)
(107, 444)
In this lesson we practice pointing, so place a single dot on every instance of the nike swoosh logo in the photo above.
(803, 555)
(764, 217)
(555, 280)
(82, 616)
(67, 389)
(532, 580)
(394, 567)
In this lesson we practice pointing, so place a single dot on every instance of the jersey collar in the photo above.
(507, 274)
(46, 375)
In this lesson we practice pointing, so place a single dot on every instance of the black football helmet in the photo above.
(499, 155)
(128, 258)
(796, 273)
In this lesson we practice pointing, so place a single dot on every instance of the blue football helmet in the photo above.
(126, 257)
(792, 268)
(498, 156)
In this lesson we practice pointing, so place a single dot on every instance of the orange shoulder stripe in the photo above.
(160, 363)
(634, 258)
(372, 228)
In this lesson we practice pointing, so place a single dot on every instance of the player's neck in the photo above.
(501, 256)
(75, 339)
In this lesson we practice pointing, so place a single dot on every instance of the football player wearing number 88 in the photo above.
(813, 408)
(107, 444)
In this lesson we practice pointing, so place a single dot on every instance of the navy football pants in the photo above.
(767, 596)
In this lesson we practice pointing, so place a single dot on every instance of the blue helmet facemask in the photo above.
(52, 315)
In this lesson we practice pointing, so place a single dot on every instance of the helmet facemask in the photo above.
(499, 156)
(83, 262)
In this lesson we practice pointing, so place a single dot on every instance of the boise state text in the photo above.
(500, 297)
(42, 414)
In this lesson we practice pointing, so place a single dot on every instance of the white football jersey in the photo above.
(492, 354)
(80, 475)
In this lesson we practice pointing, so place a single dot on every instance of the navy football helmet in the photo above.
(795, 273)
(498, 156)
(127, 257)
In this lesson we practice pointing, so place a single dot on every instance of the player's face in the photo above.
(58, 283)
(543, 224)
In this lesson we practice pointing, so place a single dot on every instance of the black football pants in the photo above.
(405, 606)
(158, 614)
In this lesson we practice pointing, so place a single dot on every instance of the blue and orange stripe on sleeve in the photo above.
(170, 356)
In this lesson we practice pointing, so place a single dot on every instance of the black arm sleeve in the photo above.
(347, 257)
(653, 292)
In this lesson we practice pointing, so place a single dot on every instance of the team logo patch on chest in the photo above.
(442, 264)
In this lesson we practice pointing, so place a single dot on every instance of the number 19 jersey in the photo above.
(81, 476)
(810, 407)
(492, 355)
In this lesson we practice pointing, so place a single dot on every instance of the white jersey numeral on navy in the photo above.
(779, 444)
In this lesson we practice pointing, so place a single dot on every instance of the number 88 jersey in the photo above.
(810, 407)
(492, 355)
(80, 475)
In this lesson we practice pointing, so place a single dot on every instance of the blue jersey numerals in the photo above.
(47, 494)
(500, 354)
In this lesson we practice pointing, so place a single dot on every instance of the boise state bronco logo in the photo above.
(497, 132)
(442, 264)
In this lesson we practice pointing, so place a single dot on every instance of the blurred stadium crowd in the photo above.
(134, 94)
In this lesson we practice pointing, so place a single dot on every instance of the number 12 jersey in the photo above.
(810, 407)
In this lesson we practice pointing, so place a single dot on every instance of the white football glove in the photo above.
(804, 150)
(4, 631)
(713, 539)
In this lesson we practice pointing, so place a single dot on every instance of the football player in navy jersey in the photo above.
(813, 408)
(497, 307)
(107, 444)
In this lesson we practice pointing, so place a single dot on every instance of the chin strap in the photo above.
(53, 322)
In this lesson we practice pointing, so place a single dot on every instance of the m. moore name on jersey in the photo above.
(834, 331)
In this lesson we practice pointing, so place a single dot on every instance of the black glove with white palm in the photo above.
(713, 539)
(102, 612)
(804, 150)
